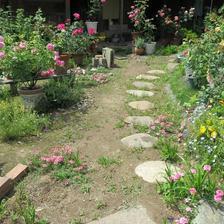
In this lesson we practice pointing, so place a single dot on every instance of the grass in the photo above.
(142, 128)
(106, 161)
(120, 124)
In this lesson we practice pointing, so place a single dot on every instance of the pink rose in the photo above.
(2, 45)
(2, 54)
(61, 26)
(103, 1)
(91, 31)
(192, 191)
(77, 31)
(50, 47)
(176, 18)
(60, 63)
(207, 168)
(77, 16)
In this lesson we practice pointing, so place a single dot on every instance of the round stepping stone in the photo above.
(141, 105)
(144, 85)
(140, 140)
(137, 215)
(139, 120)
(140, 93)
(147, 77)
(153, 171)
(156, 72)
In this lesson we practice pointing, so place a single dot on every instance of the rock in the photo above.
(209, 215)
(140, 140)
(156, 72)
(172, 67)
(153, 171)
(108, 54)
(140, 93)
(144, 85)
(147, 77)
(139, 120)
(136, 215)
(141, 105)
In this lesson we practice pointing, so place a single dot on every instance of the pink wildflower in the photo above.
(176, 176)
(188, 209)
(217, 198)
(76, 15)
(2, 39)
(220, 192)
(91, 31)
(22, 45)
(182, 220)
(50, 47)
(193, 171)
(53, 159)
(60, 63)
(207, 168)
(192, 191)
(61, 26)
(2, 54)
(2, 45)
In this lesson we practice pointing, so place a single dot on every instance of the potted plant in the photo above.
(139, 46)
(94, 9)
(137, 16)
(25, 62)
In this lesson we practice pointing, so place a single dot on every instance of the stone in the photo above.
(6, 186)
(17, 172)
(171, 67)
(108, 54)
(141, 105)
(147, 77)
(140, 140)
(209, 215)
(144, 85)
(156, 72)
(139, 120)
(140, 93)
(153, 171)
(137, 215)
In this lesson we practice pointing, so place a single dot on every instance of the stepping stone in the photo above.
(144, 85)
(172, 66)
(209, 214)
(140, 93)
(147, 77)
(141, 105)
(156, 72)
(153, 171)
(136, 215)
(139, 120)
(140, 140)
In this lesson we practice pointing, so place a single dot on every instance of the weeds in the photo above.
(106, 161)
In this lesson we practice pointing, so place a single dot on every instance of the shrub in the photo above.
(16, 122)
(62, 93)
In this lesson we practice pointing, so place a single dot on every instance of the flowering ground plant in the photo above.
(25, 61)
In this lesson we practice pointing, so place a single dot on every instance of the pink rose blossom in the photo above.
(2, 45)
(1, 39)
(61, 26)
(2, 54)
(67, 20)
(182, 220)
(207, 168)
(103, 1)
(76, 15)
(192, 191)
(50, 47)
(47, 73)
(176, 18)
(217, 198)
(220, 192)
(60, 63)
(78, 31)
(193, 171)
(91, 31)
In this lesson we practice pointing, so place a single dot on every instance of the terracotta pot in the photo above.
(65, 57)
(31, 97)
(78, 58)
(139, 51)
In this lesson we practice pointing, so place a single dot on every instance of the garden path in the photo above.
(98, 133)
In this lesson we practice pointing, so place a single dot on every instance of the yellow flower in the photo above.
(217, 29)
(211, 129)
(202, 129)
(214, 134)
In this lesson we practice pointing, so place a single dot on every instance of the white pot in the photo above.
(150, 48)
(91, 24)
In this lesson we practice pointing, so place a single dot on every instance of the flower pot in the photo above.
(78, 58)
(150, 48)
(92, 25)
(31, 97)
(65, 57)
(139, 51)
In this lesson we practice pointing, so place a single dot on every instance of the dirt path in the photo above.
(112, 188)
